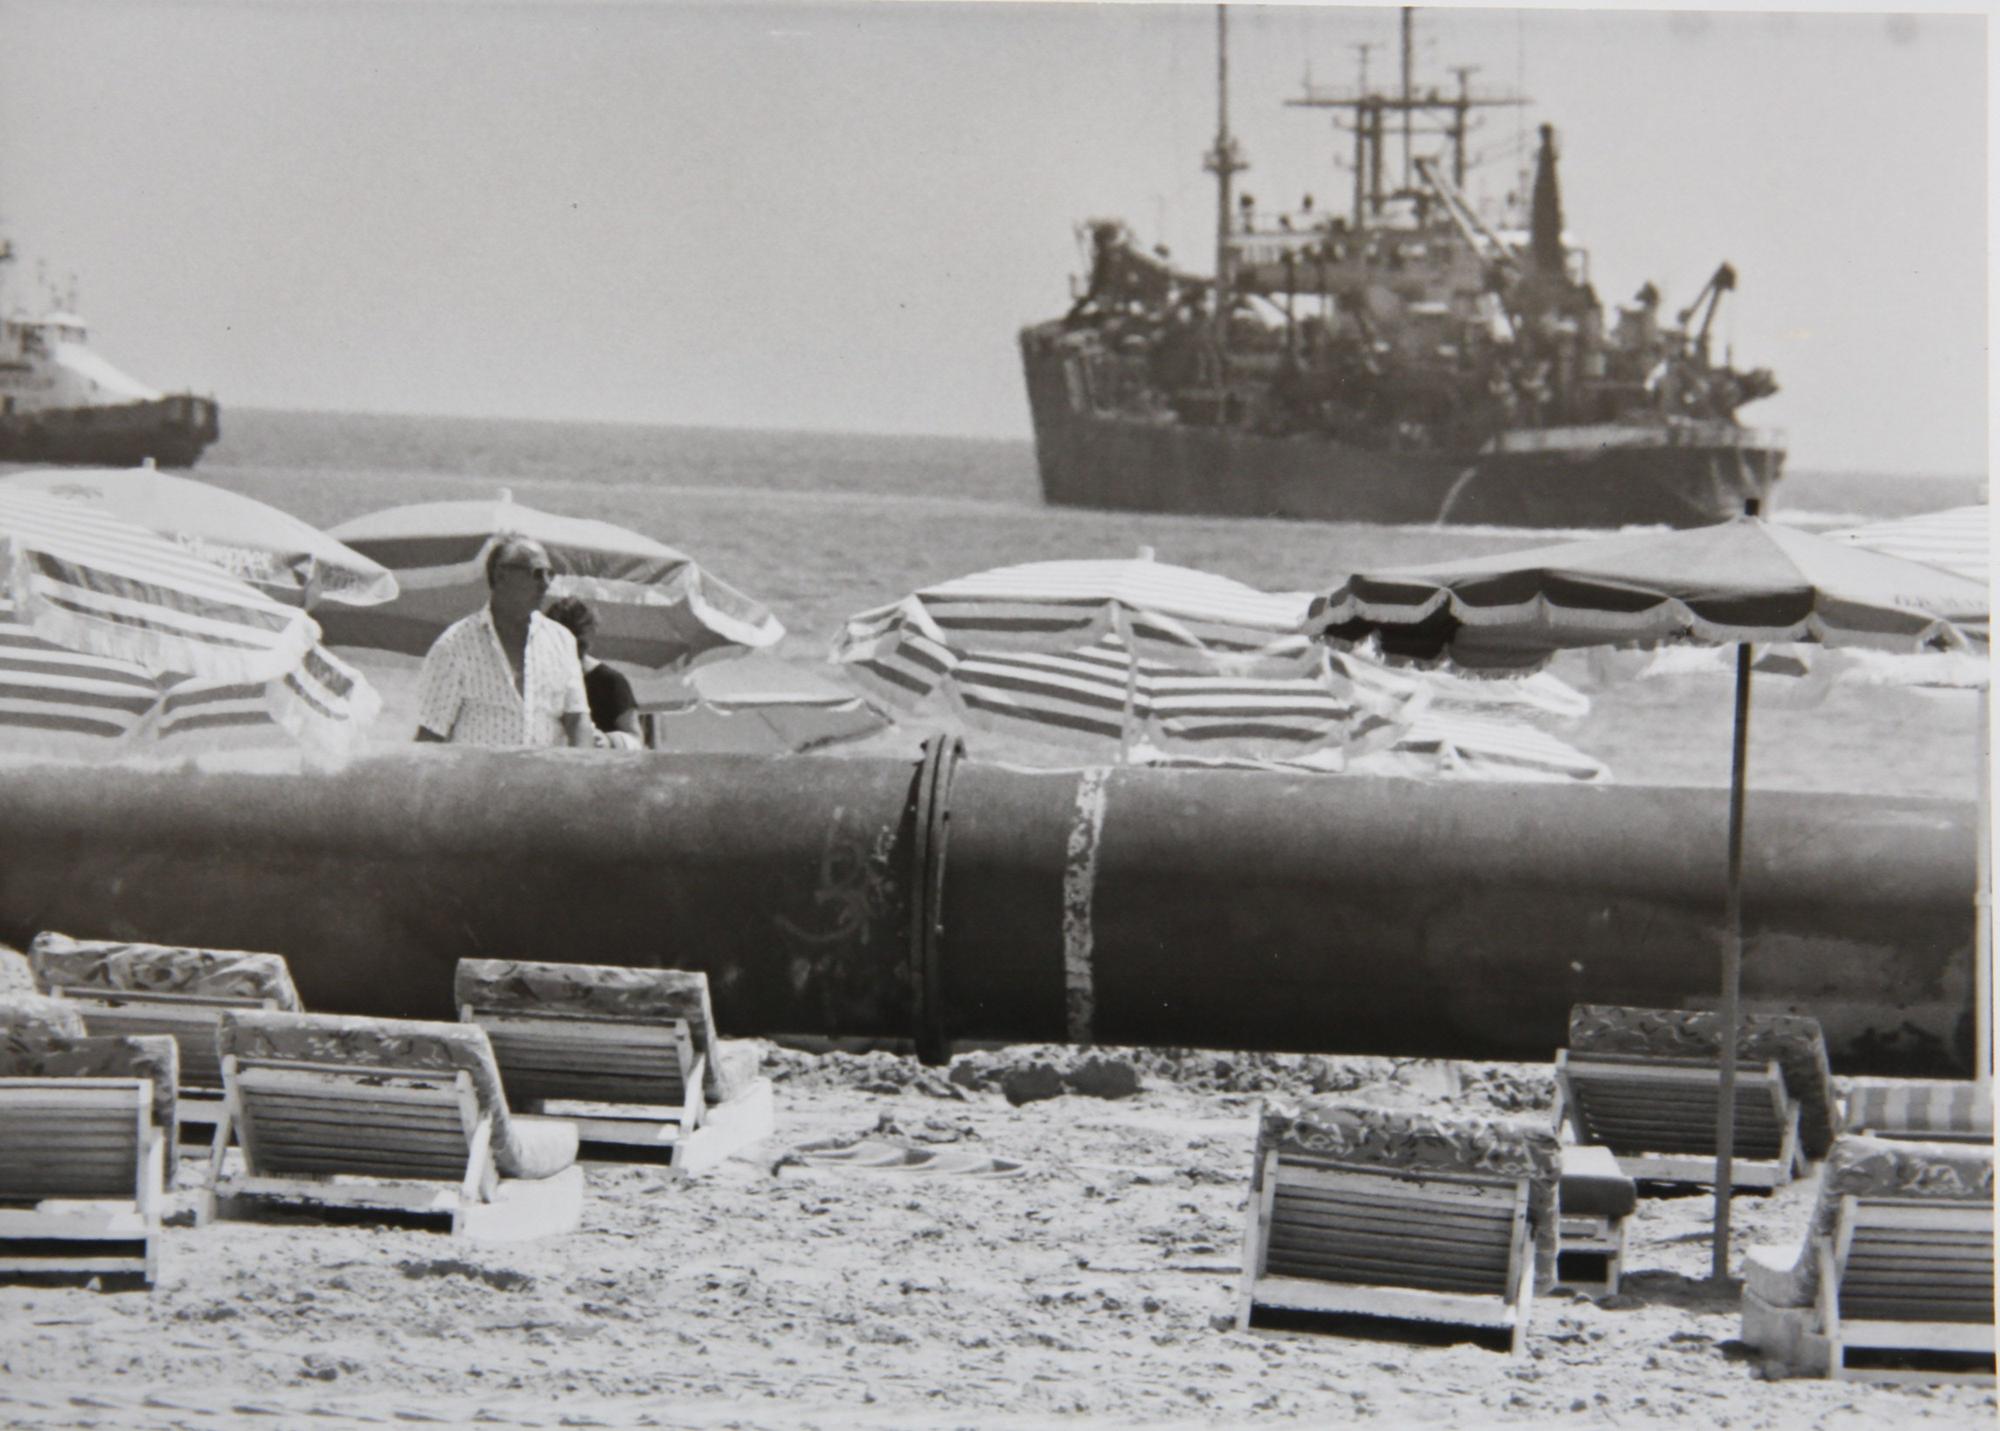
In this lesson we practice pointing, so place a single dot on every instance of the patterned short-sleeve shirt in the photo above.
(466, 692)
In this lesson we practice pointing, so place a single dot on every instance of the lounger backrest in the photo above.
(344, 1057)
(1904, 1260)
(128, 988)
(1632, 1104)
(73, 1137)
(295, 1117)
(69, 1125)
(1390, 1198)
(1382, 1227)
(1794, 1042)
(600, 1032)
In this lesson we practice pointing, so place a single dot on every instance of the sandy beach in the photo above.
(909, 1249)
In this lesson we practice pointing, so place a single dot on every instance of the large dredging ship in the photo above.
(60, 402)
(1407, 361)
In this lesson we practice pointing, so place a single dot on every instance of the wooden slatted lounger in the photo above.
(1344, 1224)
(1894, 1280)
(83, 1157)
(126, 988)
(1643, 1082)
(388, 1115)
(629, 1056)
(1657, 1115)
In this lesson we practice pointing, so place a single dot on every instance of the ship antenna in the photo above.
(1225, 161)
(1409, 144)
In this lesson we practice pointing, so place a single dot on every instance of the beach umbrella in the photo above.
(755, 704)
(271, 550)
(89, 582)
(1101, 695)
(58, 701)
(1160, 610)
(655, 607)
(1139, 655)
(1744, 582)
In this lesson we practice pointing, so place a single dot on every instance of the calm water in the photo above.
(820, 526)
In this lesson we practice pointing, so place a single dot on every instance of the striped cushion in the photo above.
(1918, 1105)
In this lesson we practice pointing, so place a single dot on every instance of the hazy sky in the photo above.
(838, 215)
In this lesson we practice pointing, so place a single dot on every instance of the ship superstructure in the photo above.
(62, 402)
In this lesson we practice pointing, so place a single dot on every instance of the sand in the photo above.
(1075, 1259)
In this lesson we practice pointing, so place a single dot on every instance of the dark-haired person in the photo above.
(613, 708)
(506, 674)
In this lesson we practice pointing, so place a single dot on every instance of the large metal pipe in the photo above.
(1131, 906)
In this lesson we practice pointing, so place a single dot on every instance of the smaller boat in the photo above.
(61, 402)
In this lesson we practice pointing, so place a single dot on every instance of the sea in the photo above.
(820, 526)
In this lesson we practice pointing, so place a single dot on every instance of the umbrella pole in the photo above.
(1732, 974)
(1982, 896)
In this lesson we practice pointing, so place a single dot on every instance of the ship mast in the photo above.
(1370, 110)
(1225, 161)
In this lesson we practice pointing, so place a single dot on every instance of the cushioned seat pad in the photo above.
(1593, 1184)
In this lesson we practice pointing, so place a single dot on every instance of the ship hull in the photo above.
(170, 431)
(1614, 475)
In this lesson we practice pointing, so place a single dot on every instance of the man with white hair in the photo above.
(506, 675)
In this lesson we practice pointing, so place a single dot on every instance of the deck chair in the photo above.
(1373, 1221)
(83, 1154)
(1932, 1110)
(1894, 1278)
(1595, 1201)
(157, 988)
(388, 1116)
(1642, 1082)
(629, 1056)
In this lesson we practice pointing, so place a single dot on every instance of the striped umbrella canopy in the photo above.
(655, 607)
(1099, 695)
(93, 583)
(1742, 582)
(1191, 618)
(286, 559)
(57, 701)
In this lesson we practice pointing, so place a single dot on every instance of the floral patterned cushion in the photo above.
(611, 991)
(154, 1056)
(1859, 1166)
(63, 962)
(16, 975)
(35, 1016)
(1792, 1041)
(520, 1150)
(1418, 1142)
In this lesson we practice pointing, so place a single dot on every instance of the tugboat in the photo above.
(1404, 362)
(60, 402)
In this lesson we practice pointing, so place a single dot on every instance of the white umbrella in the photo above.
(655, 607)
(287, 559)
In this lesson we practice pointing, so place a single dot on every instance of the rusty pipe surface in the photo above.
(1221, 909)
